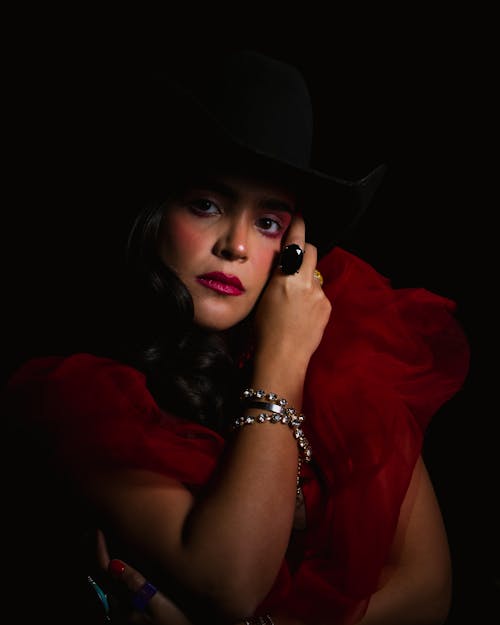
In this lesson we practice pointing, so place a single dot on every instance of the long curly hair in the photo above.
(192, 372)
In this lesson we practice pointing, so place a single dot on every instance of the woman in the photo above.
(248, 436)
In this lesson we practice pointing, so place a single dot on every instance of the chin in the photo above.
(218, 320)
(214, 324)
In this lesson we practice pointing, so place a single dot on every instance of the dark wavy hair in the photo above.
(192, 372)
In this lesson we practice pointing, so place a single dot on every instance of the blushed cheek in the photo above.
(265, 263)
(180, 241)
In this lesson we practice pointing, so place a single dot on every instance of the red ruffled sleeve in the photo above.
(98, 411)
(388, 360)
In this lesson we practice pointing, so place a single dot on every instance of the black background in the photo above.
(417, 95)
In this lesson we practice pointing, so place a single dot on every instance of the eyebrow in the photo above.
(230, 193)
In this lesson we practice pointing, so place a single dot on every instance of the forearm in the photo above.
(242, 527)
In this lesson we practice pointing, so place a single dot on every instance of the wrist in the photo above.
(284, 377)
(279, 356)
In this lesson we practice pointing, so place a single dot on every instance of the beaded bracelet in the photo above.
(259, 620)
(281, 413)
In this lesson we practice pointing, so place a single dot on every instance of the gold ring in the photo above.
(318, 276)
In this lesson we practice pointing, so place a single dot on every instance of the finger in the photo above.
(102, 550)
(318, 276)
(145, 597)
(309, 260)
(296, 232)
(140, 589)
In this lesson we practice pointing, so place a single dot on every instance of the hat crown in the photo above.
(263, 103)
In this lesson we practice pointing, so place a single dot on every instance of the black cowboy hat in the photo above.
(255, 111)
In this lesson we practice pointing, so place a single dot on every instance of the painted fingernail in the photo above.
(116, 568)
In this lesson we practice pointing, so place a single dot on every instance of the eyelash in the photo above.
(198, 206)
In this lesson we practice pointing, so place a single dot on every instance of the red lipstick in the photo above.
(221, 282)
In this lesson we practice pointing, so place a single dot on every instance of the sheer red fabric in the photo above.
(388, 360)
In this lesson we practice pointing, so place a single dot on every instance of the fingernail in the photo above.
(116, 568)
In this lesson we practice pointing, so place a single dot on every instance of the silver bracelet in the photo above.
(265, 405)
(280, 413)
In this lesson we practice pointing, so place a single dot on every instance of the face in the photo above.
(221, 236)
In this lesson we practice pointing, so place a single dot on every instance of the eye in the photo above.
(270, 225)
(202, 206)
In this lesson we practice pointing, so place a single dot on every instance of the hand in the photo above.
(293, 310)
(159, 609)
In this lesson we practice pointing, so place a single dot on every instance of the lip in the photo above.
(221, 283)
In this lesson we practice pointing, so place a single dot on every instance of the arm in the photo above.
(220, 553)
(204, 550)
(160, 609)
(415, 586)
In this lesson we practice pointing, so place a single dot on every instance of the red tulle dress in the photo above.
(388, 360)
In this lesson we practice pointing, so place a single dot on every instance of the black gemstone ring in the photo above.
(142, 596)
(291, 259)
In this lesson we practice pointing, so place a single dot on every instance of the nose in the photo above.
(232, 244)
